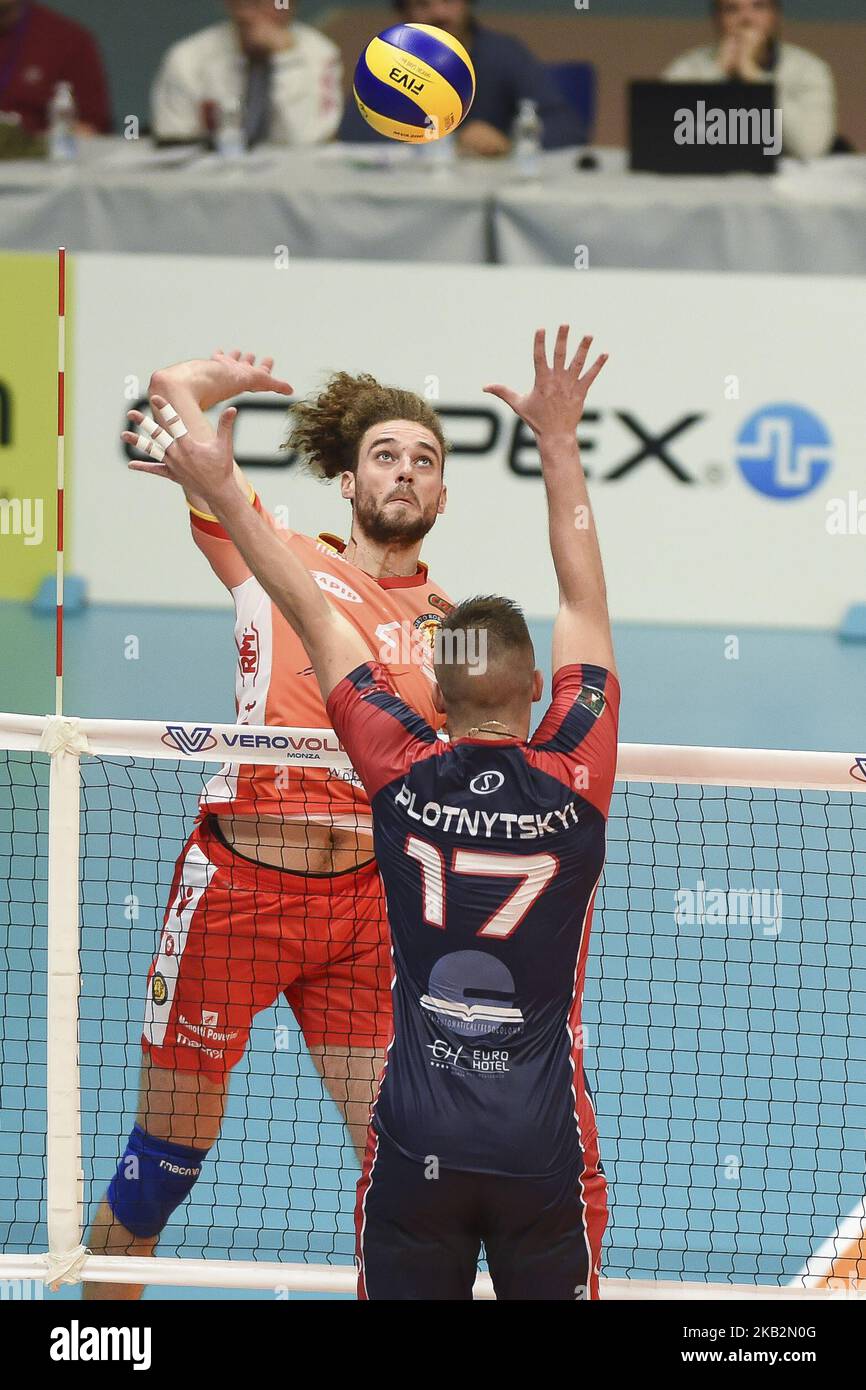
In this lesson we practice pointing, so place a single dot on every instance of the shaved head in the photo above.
(485, 665)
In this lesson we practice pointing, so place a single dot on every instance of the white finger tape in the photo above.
(151, 447)
(172, 421)
(161, 438)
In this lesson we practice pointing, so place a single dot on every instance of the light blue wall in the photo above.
(786, 690)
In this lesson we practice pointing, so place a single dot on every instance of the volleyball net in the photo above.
(724, 1024)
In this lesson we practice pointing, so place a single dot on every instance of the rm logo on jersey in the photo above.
(593, 700)
(248, 653)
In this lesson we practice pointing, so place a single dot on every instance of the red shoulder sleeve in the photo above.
(219, 549)
(380, 733)
(577, 738)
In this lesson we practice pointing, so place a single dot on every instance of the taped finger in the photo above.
(172, 421)
(147, 444)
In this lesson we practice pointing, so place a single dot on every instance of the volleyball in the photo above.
(414, 82)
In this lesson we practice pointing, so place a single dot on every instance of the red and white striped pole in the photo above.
(61, 438)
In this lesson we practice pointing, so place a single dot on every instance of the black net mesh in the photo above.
(723, 1025)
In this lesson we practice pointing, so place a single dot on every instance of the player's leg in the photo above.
(184, 1111)
(351, 1076)
(217, 966)
(342, 997)
(417, 1232)
(543, 1235)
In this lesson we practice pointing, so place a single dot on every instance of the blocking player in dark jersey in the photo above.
(491, 849)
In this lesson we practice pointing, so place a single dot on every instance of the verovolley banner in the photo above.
(723, 441)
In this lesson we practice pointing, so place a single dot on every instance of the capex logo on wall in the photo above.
(783, 451)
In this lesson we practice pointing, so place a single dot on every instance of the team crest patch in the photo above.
(159, 990)
(428, 624)
(593, 700)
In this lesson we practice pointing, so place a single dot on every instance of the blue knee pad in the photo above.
(153, 1177)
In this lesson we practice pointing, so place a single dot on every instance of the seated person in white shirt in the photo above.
(749, 49)
(286, 76)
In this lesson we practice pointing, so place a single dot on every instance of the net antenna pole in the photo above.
(61, 472)
(63, 740)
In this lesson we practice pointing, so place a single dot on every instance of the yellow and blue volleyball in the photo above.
(414, 82)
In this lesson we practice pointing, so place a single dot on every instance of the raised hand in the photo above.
(238, 372)
(202, 467)
(210, 380)
(554, 406)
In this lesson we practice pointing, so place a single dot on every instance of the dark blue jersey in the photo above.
(490, 852)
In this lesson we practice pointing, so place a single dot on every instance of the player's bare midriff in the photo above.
(302, 847)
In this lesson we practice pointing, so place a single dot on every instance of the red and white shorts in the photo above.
(237, 935)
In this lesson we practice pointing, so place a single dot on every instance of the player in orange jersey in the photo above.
(277, 892)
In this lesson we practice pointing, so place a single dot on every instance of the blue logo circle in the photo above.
(784, 451)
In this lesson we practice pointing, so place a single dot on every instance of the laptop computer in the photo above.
(704, 127)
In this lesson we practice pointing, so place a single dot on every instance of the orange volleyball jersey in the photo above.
(275, 683)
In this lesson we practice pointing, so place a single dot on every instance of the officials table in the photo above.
(408, 204)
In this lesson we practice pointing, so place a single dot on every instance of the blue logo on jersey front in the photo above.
(784, 451)
(473, 994)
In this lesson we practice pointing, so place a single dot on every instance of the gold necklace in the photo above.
(486, 729)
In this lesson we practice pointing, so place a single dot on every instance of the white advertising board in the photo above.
(724, 440)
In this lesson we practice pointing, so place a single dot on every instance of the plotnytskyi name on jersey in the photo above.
(484, 823)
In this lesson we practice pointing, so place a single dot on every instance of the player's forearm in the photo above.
(186, 385)
(281, 574)
(573, 538)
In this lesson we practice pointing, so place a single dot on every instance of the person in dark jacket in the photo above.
(506, 74)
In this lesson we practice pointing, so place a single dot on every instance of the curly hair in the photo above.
(328, 430)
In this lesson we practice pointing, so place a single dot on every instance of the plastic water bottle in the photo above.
(62, 115)
(527, 140)
(439, 155)
(230, 140)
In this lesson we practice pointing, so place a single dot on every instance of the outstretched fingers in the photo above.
(560, 348)
(159, 470)
(226, 425)
(539, 352)
(504, 393)
(581, 355)
(594, 370)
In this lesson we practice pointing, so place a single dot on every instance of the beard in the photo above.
(385, 527)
